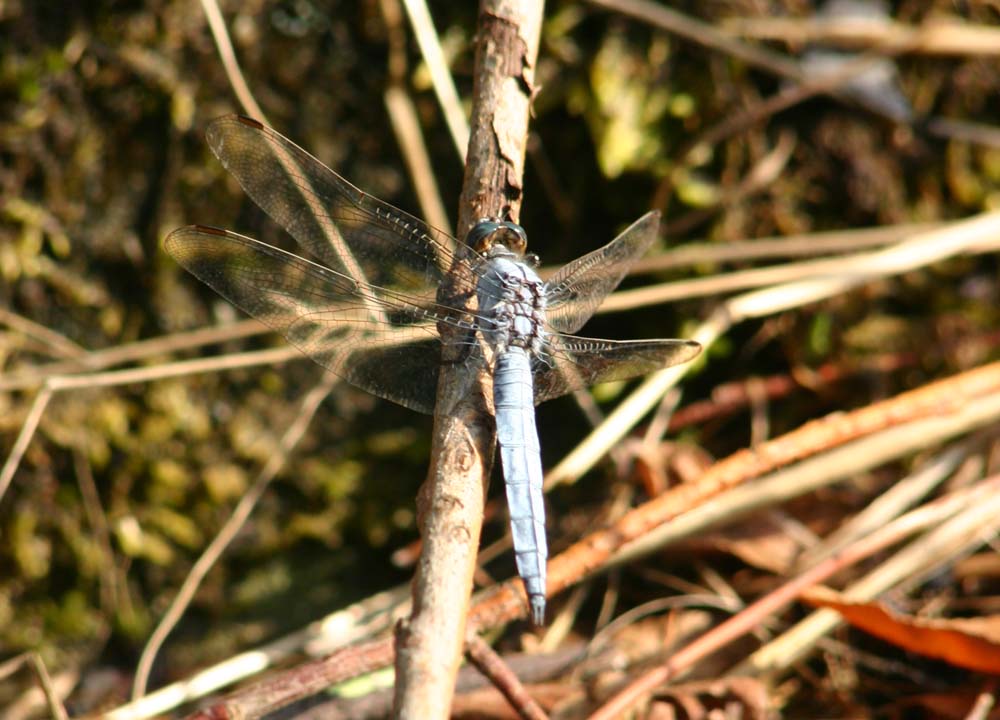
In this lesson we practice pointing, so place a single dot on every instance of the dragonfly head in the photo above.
(490, 233)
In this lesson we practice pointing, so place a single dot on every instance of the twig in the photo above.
(451, 503)
(307, 409)
(307, 679)
(503, 678)
(405, 125)
(321, 637)
(364, 659)
(450, 506)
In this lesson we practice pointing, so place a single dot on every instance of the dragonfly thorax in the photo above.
(512, 298)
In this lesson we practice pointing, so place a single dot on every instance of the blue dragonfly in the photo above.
(367, 306)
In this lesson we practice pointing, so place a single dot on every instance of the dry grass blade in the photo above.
(400, 109)
(24, 438)
(228, 56)
(444, 85)
(58, 383)
(914, 419)
(833, 242)
(976, 512)
(921, 250)
(406, 125)
(289, 439)
(325, 636)
(975, 524)
(48, 689)
(933, 37)
(133, 352)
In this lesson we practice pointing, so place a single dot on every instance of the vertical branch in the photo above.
(429, 645)
(504, 84)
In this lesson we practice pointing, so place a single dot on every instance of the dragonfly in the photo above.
(369, 305)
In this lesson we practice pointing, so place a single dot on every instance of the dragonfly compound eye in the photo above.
(490, 231)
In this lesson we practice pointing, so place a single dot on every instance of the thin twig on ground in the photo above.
(503, 678)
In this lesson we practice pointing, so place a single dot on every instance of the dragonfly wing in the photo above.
(578, 288)
(574, 363)
(405, 374)
(378, 340)
(350, 231)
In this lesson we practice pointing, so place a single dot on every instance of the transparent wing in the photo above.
(380, 340)
(348, 230)
(573, 363)
(578, 289)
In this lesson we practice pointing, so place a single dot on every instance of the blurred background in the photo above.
(102, 154)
